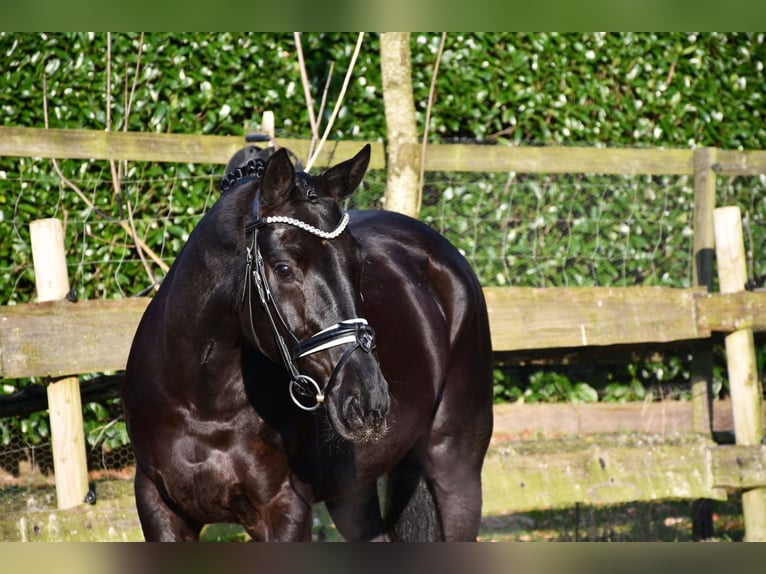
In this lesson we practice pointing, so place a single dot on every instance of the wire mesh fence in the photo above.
(515, 229)
(27, 474)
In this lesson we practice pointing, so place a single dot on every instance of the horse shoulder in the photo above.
(405, 254)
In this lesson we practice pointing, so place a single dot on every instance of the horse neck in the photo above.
(204, 284)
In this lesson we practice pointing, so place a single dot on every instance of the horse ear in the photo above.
(278, 179)
(344, 178)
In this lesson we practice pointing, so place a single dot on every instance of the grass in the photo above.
(659, 521)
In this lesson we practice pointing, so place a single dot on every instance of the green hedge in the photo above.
(672, 90)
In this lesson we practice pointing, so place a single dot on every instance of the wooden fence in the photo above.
(97, 334)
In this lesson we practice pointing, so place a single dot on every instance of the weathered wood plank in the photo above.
(739, 466)
(190, 148)
(728, 312)
(159, 147)
(528, 475)
(555, 159)
(96, 335)
(551, 420)
(742, 163)
(530, 318)
(61, 338)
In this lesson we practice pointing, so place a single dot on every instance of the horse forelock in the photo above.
(305, 187)
(246, 167)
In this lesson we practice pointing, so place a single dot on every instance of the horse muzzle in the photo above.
(305, 392)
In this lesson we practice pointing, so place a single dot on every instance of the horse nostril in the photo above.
(377, 418)
(381, 403)
(352, 411)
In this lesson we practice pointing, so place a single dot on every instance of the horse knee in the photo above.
(159, 522)
(357, 517)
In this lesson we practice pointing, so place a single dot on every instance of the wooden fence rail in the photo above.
(60, 338)
(183, 148)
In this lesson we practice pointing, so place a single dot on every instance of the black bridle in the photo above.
(354, 332)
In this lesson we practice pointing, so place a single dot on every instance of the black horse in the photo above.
(295, 353)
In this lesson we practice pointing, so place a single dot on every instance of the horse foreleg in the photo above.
(285, 517)
(357, 516)
(280, 525)
(159, 522)
(459, 438)
(454, 471)
(458, 498)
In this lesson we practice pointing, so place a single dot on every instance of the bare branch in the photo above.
(70, 184)
(326, 90)
(431, 92)
(130, 227)
(323, 103)
(306, 88)
(108, 81)
(129, 103)
(338, 103)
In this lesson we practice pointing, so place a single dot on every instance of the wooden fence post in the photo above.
(64, 402)
(702, 358)
(702, 267)
(745, 387)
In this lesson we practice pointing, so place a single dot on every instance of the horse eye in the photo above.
(282, 270)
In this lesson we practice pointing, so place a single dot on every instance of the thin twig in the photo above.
(129, 103)
(323, 103)
(123, 166)
(91, 206)
(131, 220)
(66, 181)
(139, 249)
(338, 103)
(306, 88)
(424, 145)
(108, 81)
(112, 167)
(116, 173)
(326, 90)
(103, 430)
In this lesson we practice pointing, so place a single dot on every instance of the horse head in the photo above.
(302, 293)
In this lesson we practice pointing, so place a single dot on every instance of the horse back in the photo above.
(424, 301)
(410, 259)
